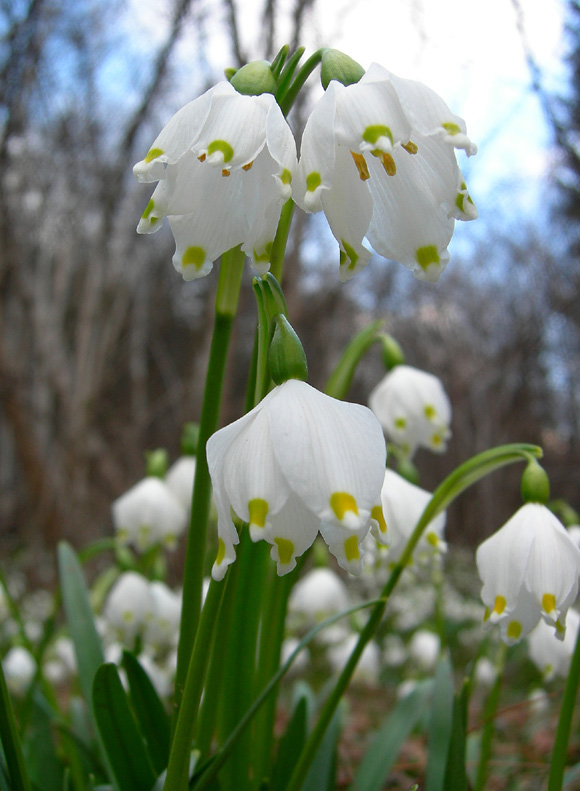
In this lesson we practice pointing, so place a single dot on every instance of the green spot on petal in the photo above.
(265, 256)
(194, 256)
(428, 255)
(351, 549)
(452, 128)
(258, 511)
(499, 605)
(433, 539)
(341, 502)
(459, 201)
(313, 180)
(372, 133)
(285, 550)
(153, 154)
(286, 177)
(148, 209)
(400, 423)
(222, 146)
(378, 516)
(430, 411)
(348, 254)
(548, 602)
(514, 630)
(221, 553)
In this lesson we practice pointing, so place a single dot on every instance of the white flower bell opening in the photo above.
(300, 462)
(378, 157)
(530, 569)
(413, 409)
(224, 164)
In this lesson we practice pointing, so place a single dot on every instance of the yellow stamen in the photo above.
(201, 157)
(389, 164)
(248, 166)
(410, 147)
(361, 166)
(225, 172)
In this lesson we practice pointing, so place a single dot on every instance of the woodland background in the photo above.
(103, 346)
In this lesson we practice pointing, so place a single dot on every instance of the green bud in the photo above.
(189, 439)
(338, 66)
(254, 78)
(229, 73)
(156, 463)
(392, 352)
(286, 357)
(535, 484)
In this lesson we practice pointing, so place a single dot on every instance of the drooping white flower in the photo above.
(552, 657)
(180, 478)
(19, 669)
(224, 164)
(403, 504)
(162, 624)
(298, 460)
(319, 594)
(530, 569)
(128, 606)
(424, 648)
(368, 667)
(148, 514)
(378, 158)
(413, 409)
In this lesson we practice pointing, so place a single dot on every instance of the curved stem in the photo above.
(287, 99)
(228, 290)
(464, 476)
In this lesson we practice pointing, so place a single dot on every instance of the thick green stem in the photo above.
(229, 282)
(281, 240)
(489, 713)
(177, 779)
(287, 99)
(468, 473)
(558, 763)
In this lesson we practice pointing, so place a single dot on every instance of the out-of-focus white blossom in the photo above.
(179, 478)
(424, 648)
(19, 669)
(162, 623)
(128, 607)
(551, 656)
(319, 594)
(148, 514)
(413, 409)
(368, 666)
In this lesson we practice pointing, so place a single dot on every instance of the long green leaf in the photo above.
(151, 715)
(126, 752)
(322, 773)
(11, 741)
(291, 745)
(456, 775)
(79, 616)
(440, 723)
(387, 744)
(42, 763)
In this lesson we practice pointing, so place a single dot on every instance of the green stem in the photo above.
(280, 240)
(489, 714)
(182, 738)
(288, 97)
(558, 764)
(228, 290)
(465, 475)
(339, 380)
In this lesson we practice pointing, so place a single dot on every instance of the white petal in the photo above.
(345, 545)
(331, 453)
(291, 532)
(317, 153)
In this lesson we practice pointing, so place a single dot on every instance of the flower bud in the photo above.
(392, 352)
(338, 66)
(189, 439)
(254, 78)
(156, 463)
(286, 356)
(535, 484)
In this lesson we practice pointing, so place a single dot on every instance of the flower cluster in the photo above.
(377, 156)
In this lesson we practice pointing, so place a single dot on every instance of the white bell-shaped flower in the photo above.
(378, 158)
(403, 504)
(530, 569)
(180, 478)
(148, 514)
(368, 667)
(19, 669)
(552, 657)
(413, 409)
(298, 459)
(224, 164)
(424, 649)
(128, 607)
(162, 624)
(319, 594)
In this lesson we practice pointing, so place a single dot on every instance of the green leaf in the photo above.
(79, 616)
(440, 724)
(455, 774)
(151, 715)
(388, 742)
(19, 780)
(291, 745)
(124, 746)
(322, 773)
(44, 768)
